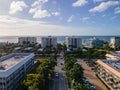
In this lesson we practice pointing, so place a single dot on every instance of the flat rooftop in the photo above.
(114, 64)
(49, 37)
(11, 61)
(118, 55)
(74, 37)
(114, 54)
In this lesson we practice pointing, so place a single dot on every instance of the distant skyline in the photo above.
(59, 17)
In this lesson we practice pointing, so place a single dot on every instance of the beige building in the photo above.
(109, 72)
(49, 42)
(27, 40)
(113, 56)
(73, 42)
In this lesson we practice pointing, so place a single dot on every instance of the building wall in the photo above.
(73, 42)
(110, 79)
(50, 42)
(115, 41)
(93, 43)
(27, 40)
(12, 81)
(112, 56)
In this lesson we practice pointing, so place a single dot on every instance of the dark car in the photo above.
(61, 63)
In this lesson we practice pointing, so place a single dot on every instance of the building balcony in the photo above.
(115, 86)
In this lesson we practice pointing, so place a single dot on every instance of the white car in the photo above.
(56, 74)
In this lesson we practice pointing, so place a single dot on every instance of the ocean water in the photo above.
(60, 39)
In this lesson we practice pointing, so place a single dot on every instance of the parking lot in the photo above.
(91, 76)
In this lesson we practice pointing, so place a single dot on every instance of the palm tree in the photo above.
(77, 73)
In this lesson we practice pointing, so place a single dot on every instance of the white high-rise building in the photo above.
(49, 42)
(13, 68)
(73, 42)
(114, 42)
(27, 40)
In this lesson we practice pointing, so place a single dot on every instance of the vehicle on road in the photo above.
(61, 63)
(61, 58)
(62, 68)
(56, 74)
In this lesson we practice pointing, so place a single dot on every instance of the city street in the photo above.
(59, 81)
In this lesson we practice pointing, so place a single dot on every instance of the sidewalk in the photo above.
(91, 76)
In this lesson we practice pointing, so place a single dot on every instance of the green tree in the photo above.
(59, 47)
(106, 45)
(69, 62)
(33, 81)
(64, 47)
(77, 73)
(46, 68)
(81, 87)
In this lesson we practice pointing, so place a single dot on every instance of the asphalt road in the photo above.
(59, 81)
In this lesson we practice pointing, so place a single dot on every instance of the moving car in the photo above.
(56, 74)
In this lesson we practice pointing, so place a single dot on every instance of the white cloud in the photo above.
(97, 1)
(37, 9)
(103, 15)
(17, 6)
(32, 10)
(5, 19)
(79, 3)
(70, 19)
(104, 6)
(35, 3)
(117, 10)
(39, 2)
(56, 13)
(10, 26)
(41, 14)
(85, 19)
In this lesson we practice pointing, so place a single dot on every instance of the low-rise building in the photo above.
(109, 72)
(28, 48)
(49, 42)
(17, 48)
(27, 40)
(13, 68)
(73, 42)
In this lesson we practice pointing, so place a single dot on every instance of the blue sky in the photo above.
(59, 17)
